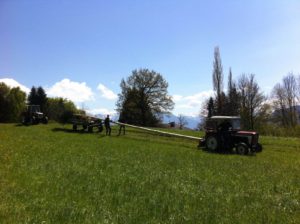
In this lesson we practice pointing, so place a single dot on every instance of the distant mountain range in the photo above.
(192, 122)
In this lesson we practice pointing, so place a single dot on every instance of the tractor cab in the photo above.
(33, 115)
(223, 133)
(216, 123)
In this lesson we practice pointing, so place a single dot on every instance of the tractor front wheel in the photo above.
(212, 143)
(242, 149)
(45, 120)
(90, 129)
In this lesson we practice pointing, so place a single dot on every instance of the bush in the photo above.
(275, 130)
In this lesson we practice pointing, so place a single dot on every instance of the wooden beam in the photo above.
(157, 131)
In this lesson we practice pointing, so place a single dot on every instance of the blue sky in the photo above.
(82, 49)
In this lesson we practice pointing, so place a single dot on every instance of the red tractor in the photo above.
(224, 133)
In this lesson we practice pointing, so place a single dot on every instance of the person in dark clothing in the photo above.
(121, 120)
(225, 132)
(107, 125)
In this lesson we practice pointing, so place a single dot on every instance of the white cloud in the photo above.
(193, 101)
(176, 98)
(13, 83)
(191, 105)
(107, 93)
(74, 91)
(102, 111)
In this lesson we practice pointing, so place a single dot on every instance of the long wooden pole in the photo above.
(157, 131)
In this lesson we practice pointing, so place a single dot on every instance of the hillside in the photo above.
(50, 174)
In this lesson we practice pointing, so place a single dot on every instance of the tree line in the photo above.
(245, 98)
(144, 98)
(13, 103)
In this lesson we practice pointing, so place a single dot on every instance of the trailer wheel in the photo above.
(242, 149)
(212, 143)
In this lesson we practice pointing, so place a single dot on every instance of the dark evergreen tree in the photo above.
(232, 100)
(37, 96)
(42, 98)
(211, 107)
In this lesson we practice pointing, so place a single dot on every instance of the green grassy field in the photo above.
(51, 175)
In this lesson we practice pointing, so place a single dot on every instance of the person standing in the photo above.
(107, 125)
(122, 126)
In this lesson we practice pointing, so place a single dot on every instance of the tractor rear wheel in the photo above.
(242, 149)
(212, 143)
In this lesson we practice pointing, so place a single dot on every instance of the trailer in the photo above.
(87, 123)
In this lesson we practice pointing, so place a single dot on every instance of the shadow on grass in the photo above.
(27, 125)
(21, 125)
(225, 152)
(66, 130)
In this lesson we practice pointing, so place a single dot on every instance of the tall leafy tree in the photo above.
(144, 93)
(218, 80)
(12, 103)
(59, 109)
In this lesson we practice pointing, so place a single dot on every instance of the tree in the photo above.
(42, 98)
(59, 109)
(279, 103)
(211, 107)
(4, 92)
(12, 103)
(218, 80)
(182, 121)
(290, 87)
(251, 100)
(37, 96)
(145, 94)
(232, 99)
(285, 101)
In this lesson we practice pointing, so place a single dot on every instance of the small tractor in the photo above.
(33, 115)
(223, 133)
(86, 122)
